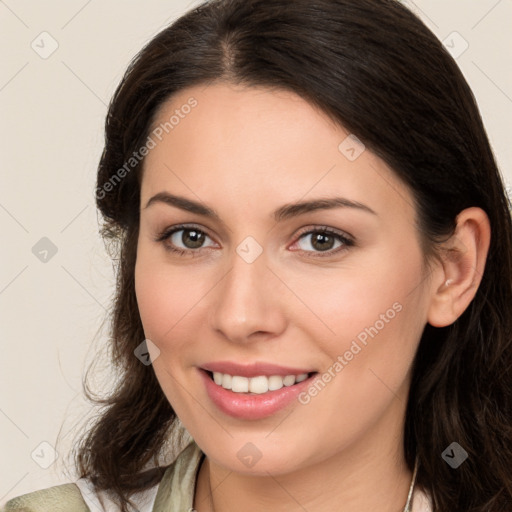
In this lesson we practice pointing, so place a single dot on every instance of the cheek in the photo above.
(168, 297)
(154, 300)
(375, 313)
(370, 292)
(377, 320)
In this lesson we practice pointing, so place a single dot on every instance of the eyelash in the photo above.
(347, 242)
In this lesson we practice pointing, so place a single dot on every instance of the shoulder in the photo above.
(176, 489)
(60, 498)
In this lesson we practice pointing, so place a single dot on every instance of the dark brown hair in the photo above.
(377, 70)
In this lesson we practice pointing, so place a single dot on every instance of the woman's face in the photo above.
(256, 281)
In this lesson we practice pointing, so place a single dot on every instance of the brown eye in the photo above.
(323, 240)
(184, 239)
(191, 238)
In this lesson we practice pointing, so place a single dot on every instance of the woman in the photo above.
(314, 272)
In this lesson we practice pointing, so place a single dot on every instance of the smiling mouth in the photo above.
(256, 385)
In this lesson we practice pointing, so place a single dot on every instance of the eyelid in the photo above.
(168, 231)
(326, 229)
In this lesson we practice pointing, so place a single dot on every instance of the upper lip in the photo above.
(252, 370)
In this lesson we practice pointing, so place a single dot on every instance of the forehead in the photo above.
(241, 124)
(260, 146)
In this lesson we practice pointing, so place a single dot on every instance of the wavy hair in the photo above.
(377, 70)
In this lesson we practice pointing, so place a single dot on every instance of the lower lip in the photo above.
(252, 407)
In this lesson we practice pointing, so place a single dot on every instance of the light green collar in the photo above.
(177, 487)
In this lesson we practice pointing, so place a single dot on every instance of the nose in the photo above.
(246, 305)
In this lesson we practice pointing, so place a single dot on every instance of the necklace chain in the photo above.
(407, 507)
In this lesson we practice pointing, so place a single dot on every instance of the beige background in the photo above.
(52, 114)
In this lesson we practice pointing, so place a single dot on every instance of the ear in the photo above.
(456, 280)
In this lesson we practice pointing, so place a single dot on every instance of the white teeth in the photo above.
(258, 385)
(275, 382)
(239, 384)
(226, 381)
(289, 380)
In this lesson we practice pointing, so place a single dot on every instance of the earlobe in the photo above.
(456, 281)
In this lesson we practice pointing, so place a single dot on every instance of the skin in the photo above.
(245, 152)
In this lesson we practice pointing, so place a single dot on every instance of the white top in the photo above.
(100, 502)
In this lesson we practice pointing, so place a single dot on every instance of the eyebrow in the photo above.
(285, 212)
